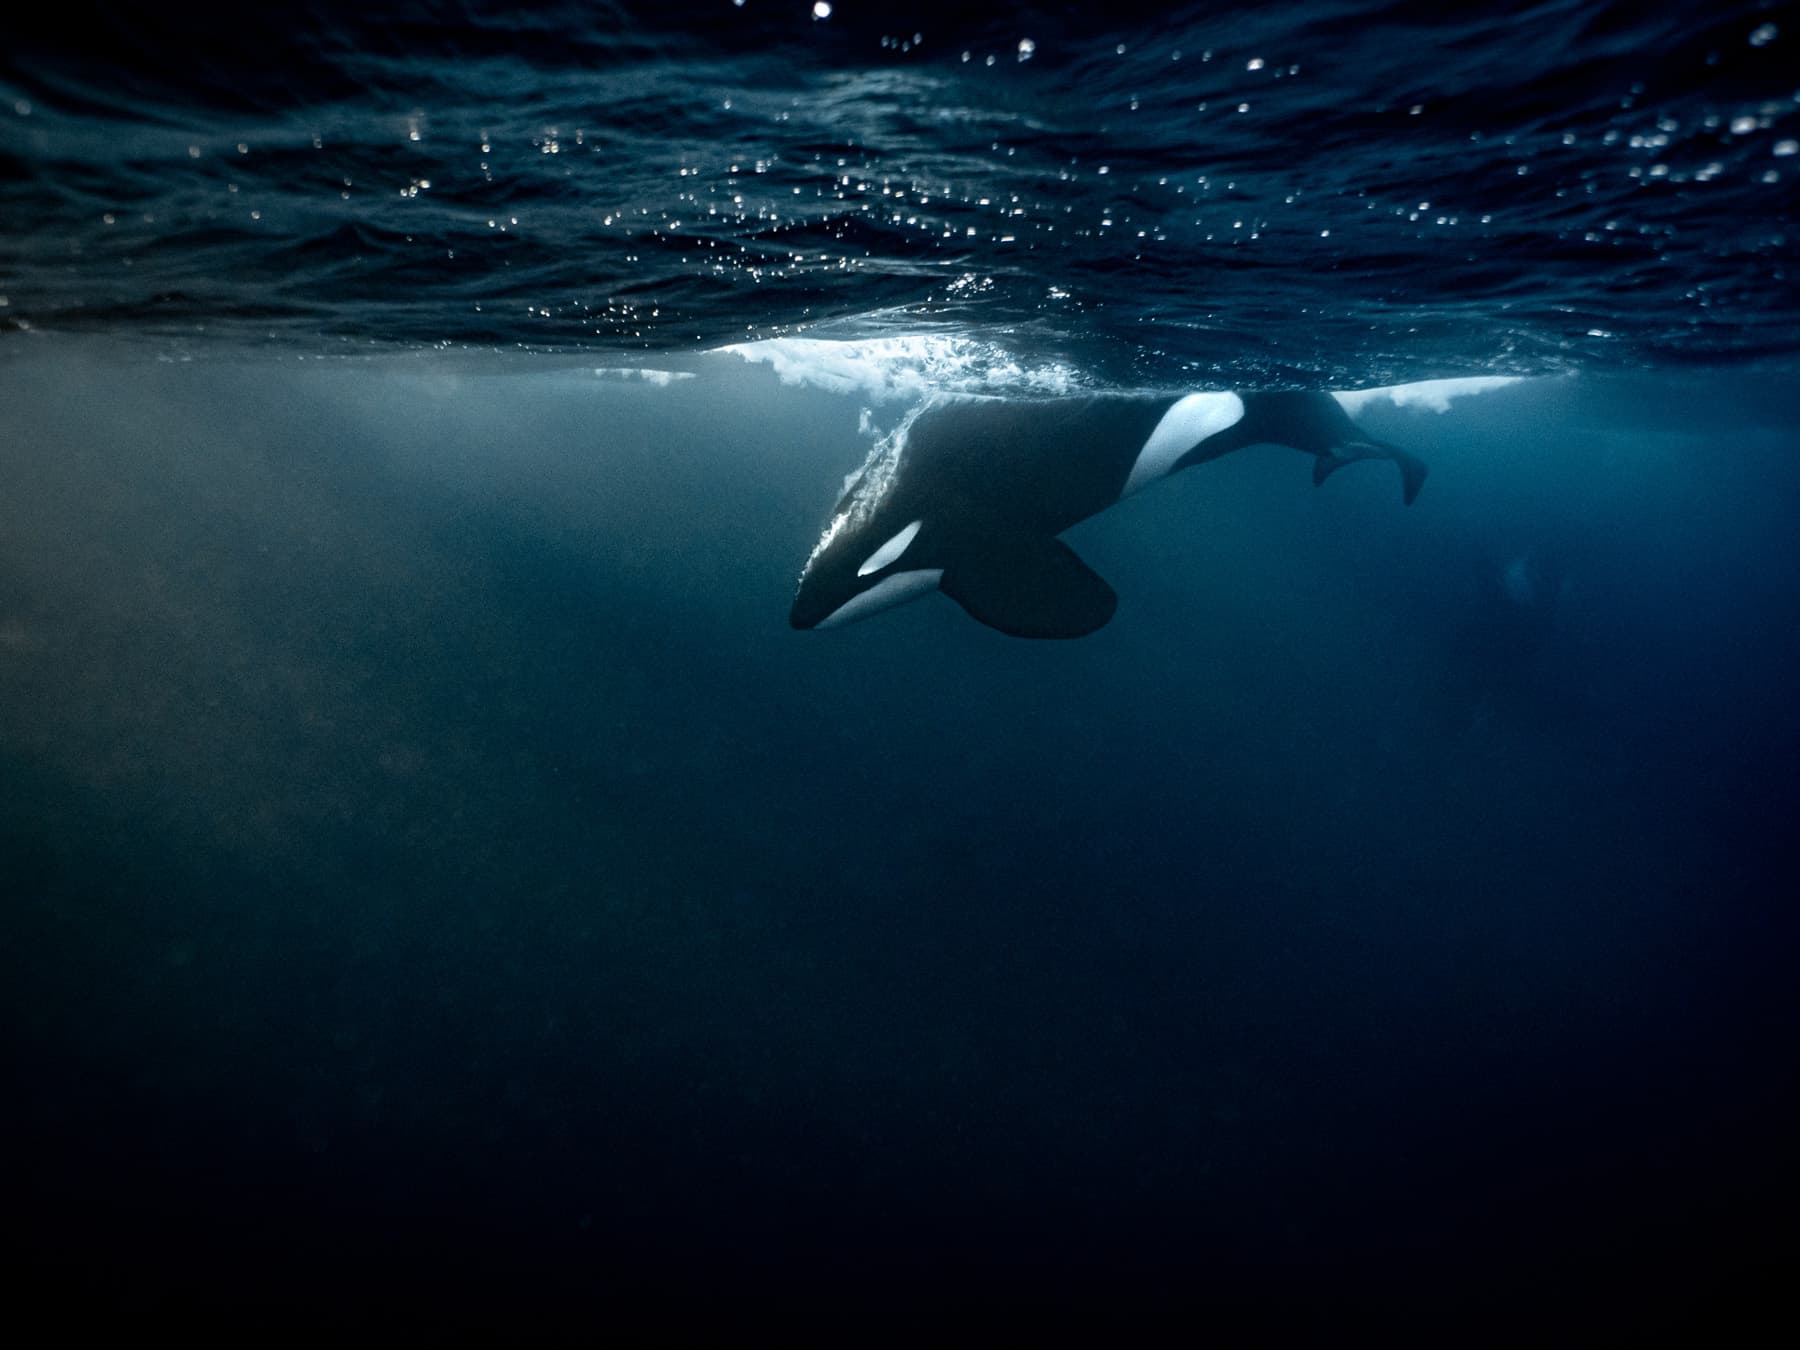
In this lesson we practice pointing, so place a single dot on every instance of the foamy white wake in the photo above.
(890, 369)
(896, 369)
(1433, 395)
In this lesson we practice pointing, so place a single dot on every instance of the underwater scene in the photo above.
(716, 652)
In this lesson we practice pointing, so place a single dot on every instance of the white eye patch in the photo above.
(886, 554)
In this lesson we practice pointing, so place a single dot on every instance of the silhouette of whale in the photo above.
(969, 495)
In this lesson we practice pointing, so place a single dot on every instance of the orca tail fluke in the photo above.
(1412, 468)
(1412, 472)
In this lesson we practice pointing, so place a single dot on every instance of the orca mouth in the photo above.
(894, 589)
(805, 616)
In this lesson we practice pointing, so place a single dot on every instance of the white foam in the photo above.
(661, 378)
(1187, 422)
(1433, 395)
(888, 369)
(864, 489)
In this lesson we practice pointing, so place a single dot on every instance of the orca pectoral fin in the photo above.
(1030, 586)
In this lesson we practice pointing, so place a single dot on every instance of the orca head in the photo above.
(863, 567)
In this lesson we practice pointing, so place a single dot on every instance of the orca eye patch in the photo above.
(889, 551)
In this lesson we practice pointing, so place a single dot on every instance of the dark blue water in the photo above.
(438, 890)
(1323, 190)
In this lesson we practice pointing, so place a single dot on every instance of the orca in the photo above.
(969, 494)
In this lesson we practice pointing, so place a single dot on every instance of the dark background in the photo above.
(440, 888)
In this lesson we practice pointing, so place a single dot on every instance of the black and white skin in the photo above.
(969, 495)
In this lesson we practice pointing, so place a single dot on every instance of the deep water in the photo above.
(436, 866)
(438, 889)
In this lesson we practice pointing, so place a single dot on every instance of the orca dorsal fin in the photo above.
(1031, 586)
